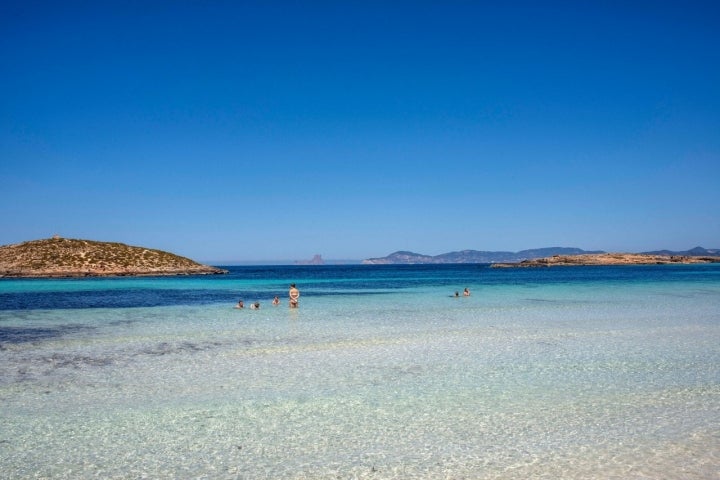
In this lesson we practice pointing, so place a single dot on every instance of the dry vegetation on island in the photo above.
(66, 257)
(609, 259)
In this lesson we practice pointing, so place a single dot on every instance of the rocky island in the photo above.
(609, 259)
(66, 257)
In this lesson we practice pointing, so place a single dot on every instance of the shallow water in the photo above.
(607, 372)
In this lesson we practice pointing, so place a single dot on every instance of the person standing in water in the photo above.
(294, 296)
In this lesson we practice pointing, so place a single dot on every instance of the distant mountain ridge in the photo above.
(608, 259)
(474, 256)
(478, 256)
(693, 252)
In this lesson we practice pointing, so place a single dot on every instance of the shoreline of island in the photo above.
(608, 259)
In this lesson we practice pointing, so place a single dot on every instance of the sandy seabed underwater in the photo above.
(578, 372)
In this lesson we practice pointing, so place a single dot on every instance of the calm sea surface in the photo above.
(577, 372)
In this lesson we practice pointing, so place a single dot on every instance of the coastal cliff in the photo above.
(66, 257)
(609, 259)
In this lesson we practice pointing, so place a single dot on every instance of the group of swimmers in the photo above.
(253, 306)
(294, 295)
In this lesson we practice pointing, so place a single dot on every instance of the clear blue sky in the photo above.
(277, 130)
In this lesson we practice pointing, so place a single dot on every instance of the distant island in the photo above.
(316, 260)
(67, 257)
(610, 259)
(546, 256)
(473, 256)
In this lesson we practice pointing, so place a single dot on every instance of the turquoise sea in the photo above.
(567, 372)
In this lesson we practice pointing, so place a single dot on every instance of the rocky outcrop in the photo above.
(66, 257)
(316, 260)
(609, 259)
